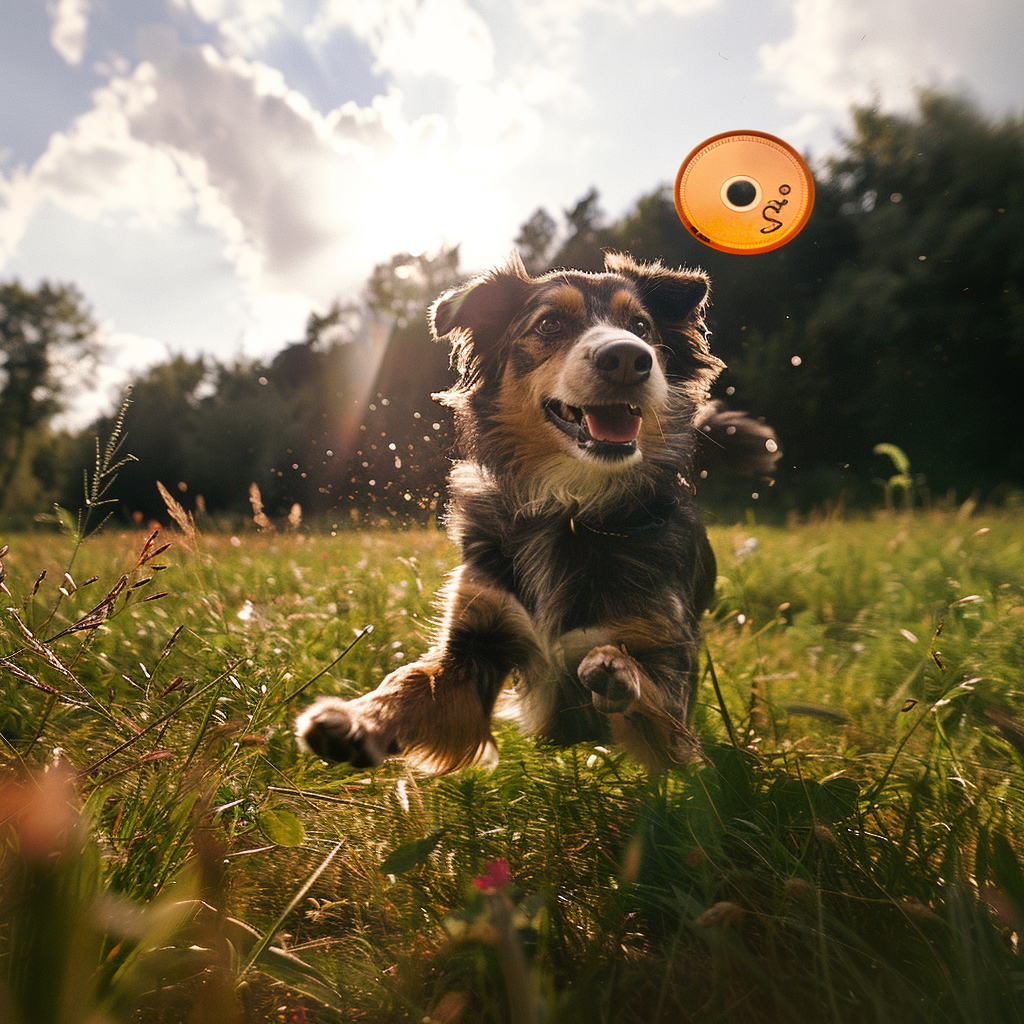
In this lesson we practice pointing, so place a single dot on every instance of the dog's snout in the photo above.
(624, 362)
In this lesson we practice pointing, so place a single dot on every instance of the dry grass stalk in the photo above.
(258, 515)
(184, 519)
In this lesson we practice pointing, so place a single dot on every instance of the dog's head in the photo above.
(573, 383)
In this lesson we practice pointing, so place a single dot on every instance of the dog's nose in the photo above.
(624, 362)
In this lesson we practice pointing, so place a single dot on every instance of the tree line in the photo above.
(896, 318)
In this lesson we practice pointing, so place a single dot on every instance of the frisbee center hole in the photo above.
(741, 193)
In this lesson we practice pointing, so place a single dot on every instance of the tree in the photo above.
(895, 317)
(42, 332)
(535, 239)
(587, 235)
(405, 285)
(343, 416)
(400, 461)
(920, 337)
(161, 431)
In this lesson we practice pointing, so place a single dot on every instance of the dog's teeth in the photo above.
(635, 410)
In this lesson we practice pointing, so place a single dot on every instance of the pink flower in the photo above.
(497, 876)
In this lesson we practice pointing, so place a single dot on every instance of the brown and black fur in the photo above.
(585, 568)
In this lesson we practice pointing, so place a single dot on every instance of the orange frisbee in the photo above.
(744, 192)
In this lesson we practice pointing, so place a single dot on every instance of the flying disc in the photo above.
(744, 192)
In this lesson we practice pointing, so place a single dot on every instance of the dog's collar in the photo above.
(644, 520)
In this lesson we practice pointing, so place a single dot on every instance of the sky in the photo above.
(208, 172)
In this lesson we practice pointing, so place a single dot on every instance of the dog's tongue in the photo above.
(613, 423)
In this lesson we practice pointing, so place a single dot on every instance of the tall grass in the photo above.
(847, 852)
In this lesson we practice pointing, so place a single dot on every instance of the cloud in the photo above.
(550, 21)
(414, 37)
(69, 24)
(16, 205)
(843, 52)
(246, 26)
(96, 169)
(679, 8)
(99, 166)
(305, 203)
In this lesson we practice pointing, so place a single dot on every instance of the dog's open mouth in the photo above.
(607, 430)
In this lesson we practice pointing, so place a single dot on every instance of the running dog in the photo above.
(580, 403)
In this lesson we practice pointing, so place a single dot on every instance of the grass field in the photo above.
(850, 851)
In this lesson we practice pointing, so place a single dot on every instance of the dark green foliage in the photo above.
(940, 212)
(901, 299)
(535, 240)
(38, 331)
(347, 405)
(411, 855)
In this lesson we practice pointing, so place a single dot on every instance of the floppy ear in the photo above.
(677, 300)
(476, 316)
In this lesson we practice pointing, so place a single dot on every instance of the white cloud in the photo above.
(304, 203)
(549, 21)
(443, 37)
(498, 125)
(17, 201)
(69, 24)
(854, 51)
(414, 37)
(97, 168)
(679, 8)
(245, 25)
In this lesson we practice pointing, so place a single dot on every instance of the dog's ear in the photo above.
(475, 317)
(677, 300)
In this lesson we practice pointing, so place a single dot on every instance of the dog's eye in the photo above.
(641, 328)
(548, 326)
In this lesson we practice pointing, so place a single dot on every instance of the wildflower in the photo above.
(496, 878)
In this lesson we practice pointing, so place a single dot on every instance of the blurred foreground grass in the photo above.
(849, 852)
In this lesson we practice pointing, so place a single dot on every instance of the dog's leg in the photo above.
(649, 718)
(435, 711)
(614, 678)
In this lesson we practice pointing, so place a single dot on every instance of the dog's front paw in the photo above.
(332, 729)
(612, 677)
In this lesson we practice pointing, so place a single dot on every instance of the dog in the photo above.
(580, 405)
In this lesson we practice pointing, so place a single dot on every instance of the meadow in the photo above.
(850, 850)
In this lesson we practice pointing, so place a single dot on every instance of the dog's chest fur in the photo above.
(572, 572)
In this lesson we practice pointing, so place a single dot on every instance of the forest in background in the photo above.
(895, 318)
